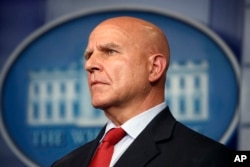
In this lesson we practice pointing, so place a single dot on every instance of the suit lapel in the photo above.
(139, 153)
(144, 148)
(91, 150)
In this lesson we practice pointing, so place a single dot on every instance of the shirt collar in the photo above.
(140, 121)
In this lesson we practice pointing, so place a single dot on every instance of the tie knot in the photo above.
(114, 135)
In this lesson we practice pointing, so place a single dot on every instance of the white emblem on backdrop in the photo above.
(187, 90)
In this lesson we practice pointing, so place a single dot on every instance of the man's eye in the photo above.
(111, 51)
(87, 56)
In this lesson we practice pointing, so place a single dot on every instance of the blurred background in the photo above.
(230, 19)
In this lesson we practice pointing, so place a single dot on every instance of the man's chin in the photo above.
(101, 106)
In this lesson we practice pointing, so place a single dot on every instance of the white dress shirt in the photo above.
(133, 128)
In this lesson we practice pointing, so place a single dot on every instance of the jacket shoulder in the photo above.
(75, 157)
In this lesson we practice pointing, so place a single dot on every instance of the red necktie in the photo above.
(104, 152)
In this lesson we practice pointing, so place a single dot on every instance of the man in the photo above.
(126, 61)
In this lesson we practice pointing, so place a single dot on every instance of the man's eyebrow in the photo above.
(106, 46)
(110, 45)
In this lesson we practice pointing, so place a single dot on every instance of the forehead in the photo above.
(107, 33)
(107, 30)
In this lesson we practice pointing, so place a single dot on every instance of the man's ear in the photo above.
(158, 65)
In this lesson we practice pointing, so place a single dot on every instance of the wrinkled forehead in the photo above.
(110, 29)
(112, 33)
(106, 34)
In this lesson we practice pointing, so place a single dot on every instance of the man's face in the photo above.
(117, 67)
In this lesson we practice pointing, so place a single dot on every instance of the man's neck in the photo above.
(120, 115)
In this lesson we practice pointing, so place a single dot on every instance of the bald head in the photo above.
(143, 34)
(126, 59)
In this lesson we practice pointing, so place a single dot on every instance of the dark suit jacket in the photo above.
(163, 143)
